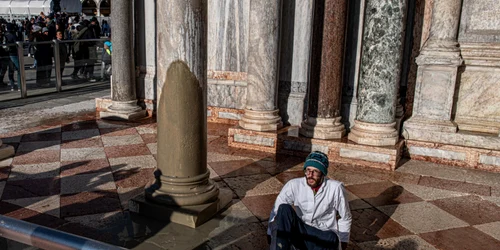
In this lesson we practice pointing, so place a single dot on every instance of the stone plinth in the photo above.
(288, 141)
(128, 110)
(6, 151)
(224, 115)
(191, 216)
(467, 157)
(254, 140)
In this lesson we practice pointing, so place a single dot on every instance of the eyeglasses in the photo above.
(312, 172)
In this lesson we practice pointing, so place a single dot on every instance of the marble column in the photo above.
(182, 179)
(438, 64)
(6, 151)
(123, 89)
(261, 113)
(323, 116)
(295, 53)
(145, 51)
(380, 72)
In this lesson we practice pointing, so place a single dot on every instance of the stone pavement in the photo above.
(77, 175)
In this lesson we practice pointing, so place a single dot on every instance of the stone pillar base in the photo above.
(428, 124)
(123, 111)
(6, 151)
(185, 191)
(254, 140)
(261, 120)
(322, 128)
(467, 157)
(191, 216)
(374, 134)
(287, 141)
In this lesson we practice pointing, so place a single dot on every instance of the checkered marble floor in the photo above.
(77, 176)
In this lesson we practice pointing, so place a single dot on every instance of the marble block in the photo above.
(479, 21)
(226, 94)
(191, 216)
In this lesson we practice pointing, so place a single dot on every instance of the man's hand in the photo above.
(343, 245)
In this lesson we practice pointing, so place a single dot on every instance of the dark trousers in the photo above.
(292, 230)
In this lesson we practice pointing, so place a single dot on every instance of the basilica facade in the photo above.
(368, 82)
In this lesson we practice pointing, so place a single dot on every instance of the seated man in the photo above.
(305, 212)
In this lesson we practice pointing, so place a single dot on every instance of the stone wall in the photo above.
(477, 98)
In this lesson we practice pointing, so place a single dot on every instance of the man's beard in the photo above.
(312, 182)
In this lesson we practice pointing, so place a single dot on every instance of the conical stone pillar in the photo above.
(261, 113)
(323, 116)
(380, 73)
(183, 191)
(6, 151)
(123, 90)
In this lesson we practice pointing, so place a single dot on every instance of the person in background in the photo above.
(106, 31)
(4, 61)
(43, 56)
(63, 52)
(106, 58)
(10, 37)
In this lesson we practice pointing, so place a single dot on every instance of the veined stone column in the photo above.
(295, 54)
(438, 64)
(182, 180)
(380, 73)
(323, 116)
(261, 113)
(123, 89)
(6, 151)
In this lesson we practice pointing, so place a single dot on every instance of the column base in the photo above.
(261, 120)
(322, 128)
(123, 111)
(6, 151)
(182, 191)
(374, 134)
(191, 216)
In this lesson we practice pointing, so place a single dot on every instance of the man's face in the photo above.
(314, 177)
(59, 35)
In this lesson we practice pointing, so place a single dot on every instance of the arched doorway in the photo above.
(89, 8)
(105, 7)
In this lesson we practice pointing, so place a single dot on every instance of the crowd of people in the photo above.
(71, 31)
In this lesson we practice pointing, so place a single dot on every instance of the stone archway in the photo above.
(89, 8)
(105, 8)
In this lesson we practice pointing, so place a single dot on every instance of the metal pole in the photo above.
(22, 72)
(47, 238)
(57, 61)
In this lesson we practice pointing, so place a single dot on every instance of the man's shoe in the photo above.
(93, 80)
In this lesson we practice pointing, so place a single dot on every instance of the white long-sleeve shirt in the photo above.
(320, 210)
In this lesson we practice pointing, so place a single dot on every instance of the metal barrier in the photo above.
(47, 238)
(56, 44)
